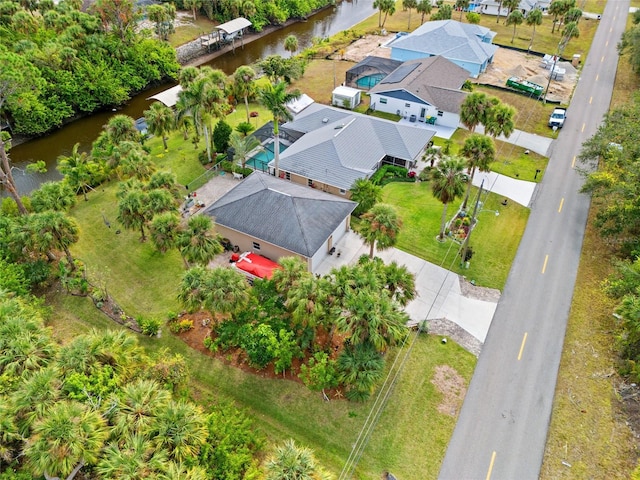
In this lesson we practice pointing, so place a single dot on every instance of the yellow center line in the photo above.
(524, 340)
(573, 162)
(607, 43)
(583, 125)
(597, 77)
(493, 459)
(561, 204)
(544, 266)
(590, 100)
(602, 59)
(611, 30)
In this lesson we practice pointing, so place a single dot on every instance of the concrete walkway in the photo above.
(530, 141)
(439, 292)
(519, 191)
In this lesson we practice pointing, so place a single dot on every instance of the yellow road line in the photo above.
(597, 77)
(607, 43)
(493, 459)
(590, 100)
(544, 266)
(583, 125)
(561, 203)
(611, 30)
(573, 162)
(602, 59)
(524, 340)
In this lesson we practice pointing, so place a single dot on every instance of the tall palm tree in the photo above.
(557, 8)
(133, 211)
(360, 368)
(291, 44)
(533, 19)
(424, 8)
(163, 230)
(53, 196)
(192, 289)
(131, 457)
(136, 408)
(292, 462)
(293, 271)
(462, 5)
(160, 120)
(515, 18)
(79, 171)
(447, 183)
(386, 6)
(52, 230)
(474, 110)
(227, 290)
(243, 147)
(501, 120)
(275, 98)
(198, 242)
(194, 5)
(408, 5)
(69, 436)
(244, 84)
(380, 227)
(121, 128)
(480, 152)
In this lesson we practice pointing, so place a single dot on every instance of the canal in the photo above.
(85, 130)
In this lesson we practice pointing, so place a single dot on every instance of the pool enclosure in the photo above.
(369, 72)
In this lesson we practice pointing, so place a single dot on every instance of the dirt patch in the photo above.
(510, 63)
(366, 46)
(451, 385)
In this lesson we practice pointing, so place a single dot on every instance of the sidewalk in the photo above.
(530, 141)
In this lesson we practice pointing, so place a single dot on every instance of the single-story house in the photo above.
(469, 46)
(492, 7)
(346, 97)
(276, 218)
(425, 90)
(337, 147)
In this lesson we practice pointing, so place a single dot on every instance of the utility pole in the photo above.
(465, 244)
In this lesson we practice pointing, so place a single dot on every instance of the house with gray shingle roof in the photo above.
(337, 147)
(276, 218)
(424, 90)
(466, 45)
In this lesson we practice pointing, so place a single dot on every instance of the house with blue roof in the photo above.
(468, 46)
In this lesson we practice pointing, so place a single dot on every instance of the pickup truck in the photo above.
(558, 117)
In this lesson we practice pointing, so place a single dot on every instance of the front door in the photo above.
(423, 111)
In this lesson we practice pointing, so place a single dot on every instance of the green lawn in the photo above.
(495, 239)
(285, 409)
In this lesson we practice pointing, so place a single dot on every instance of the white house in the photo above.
(425, 90)
(492, 7)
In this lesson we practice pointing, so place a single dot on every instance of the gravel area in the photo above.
(449, 329)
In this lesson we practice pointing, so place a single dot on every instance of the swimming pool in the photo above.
(369, 81)
(260, 161)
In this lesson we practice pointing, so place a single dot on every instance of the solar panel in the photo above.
(400, 73)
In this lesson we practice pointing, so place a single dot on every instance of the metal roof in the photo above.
(294, 217)
(169, 97)
(234, 25)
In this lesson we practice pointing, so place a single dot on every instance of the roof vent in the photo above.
(325, 120)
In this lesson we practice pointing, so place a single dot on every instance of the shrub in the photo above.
(180, 326)
(226, 166)
(389, 172)
(171, 316)
(149, 326)
(203, 157)
(221, 134)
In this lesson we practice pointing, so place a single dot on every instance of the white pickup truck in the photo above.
(558, 117)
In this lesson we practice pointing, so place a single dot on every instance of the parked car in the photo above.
(558, 117)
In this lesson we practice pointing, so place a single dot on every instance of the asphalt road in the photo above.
(502, 428)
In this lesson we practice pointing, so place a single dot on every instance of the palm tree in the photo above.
(515, 18)
(293, 271)
(192, 289)
(79, 171)
(386, 6)
(511, 6)
(57, 196)
(163, 230)
(291, 44)
(37, 393)
(69, 436)
(399, 282)
(366, 193)
(557, 8)
(194, 5)
(360, 368)
(380, 227)
(227, 290)
(500, 121)
(462, 5)
(6, 176)
(499, 11)
(183, 118)
(275, 99)
(53, 230)
(533, 19)
(480, 151)
(474, 110)
(136, 408)
(243, 148)
(160, 120)
(244, 84)
(369, 316)
(424, 8)
(121, 128)
(165, 180)
(570, 31)
(408, 5)
(292, 462)
(179, 428)
(198, 242)
(447, 183)
(133, 211)
(132, 457)
(308, 301)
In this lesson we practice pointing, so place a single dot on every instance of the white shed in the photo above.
(346, 97)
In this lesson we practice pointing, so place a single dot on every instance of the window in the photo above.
(343, 191)
(440, 113)
(256, 246)
(287, 175)
(407, 105)
(309, 182)
(383, 100)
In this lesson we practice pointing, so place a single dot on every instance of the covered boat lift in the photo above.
(225, 33)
